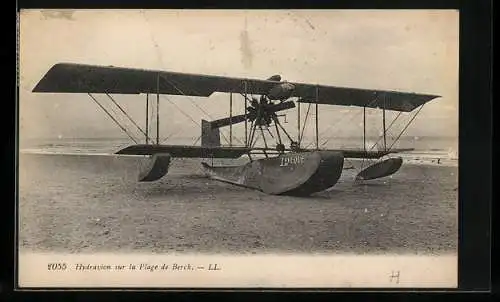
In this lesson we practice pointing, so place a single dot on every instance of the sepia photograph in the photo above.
(237, 148)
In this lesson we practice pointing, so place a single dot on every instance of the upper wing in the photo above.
(342, 96)
(79, 78)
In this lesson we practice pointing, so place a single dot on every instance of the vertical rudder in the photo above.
(209, 137)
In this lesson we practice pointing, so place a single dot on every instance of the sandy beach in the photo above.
(71, 203)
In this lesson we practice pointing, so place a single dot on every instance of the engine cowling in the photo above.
(275, 77)
(281, 91)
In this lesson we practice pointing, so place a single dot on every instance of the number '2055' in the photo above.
(56, 266)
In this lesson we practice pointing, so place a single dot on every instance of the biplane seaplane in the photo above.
(284, 168)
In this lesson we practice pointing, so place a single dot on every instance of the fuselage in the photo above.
(297, 174)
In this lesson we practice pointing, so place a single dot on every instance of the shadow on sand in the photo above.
(368, 184)
(196, 176)
(188, 188)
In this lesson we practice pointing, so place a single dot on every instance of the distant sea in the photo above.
(435, 146)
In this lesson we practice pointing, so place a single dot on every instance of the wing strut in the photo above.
(248, 138)
(265, 142)
(317, 126)
(383, 124)
(343, 119)
(278, 133)
(298, 124)
(147, 118)
(246, 122)
(364, 129)
(231, 119)
(253, 126)
(158, 108)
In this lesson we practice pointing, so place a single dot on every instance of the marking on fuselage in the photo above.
(291, 160)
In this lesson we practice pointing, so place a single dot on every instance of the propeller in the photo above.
(261, 112)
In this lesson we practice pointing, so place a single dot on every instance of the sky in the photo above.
(412, 51)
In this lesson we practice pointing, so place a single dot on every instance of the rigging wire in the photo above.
(197, 106)
(199, 137)
(305, 123)
(327, 140)
(151, 112)
(190, 98)
(124, 112)
(390, 125)
(185, 114)
(407, 125)
(269, 131)
(276, 121)
(340, 120)
(400, 133)
(255, 141)
(111, 116)
(378, 140)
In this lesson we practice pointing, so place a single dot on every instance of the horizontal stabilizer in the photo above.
(251, 115)
(227, 121)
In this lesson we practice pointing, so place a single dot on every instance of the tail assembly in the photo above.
(159, 163)
(210, 137)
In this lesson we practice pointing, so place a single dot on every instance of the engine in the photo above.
(275, 77)
(262, 111)
(281, 91)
